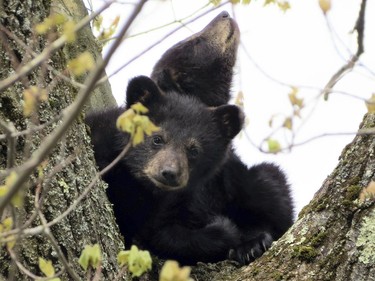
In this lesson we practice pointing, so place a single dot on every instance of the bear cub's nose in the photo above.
(224, 14)
(170, 177)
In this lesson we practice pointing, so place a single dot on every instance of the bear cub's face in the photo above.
(192, 141)
(201, 65)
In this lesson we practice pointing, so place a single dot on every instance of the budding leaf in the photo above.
(294, 99)
(215, 2)
(98, 21)
(325, 5)
(288, 123)
(107, 33)
(138, 136)
(139, 108)
(46, 267)
(17, 199)
(84, 62)
(49, 22)
(172, 272)
(273, 146)
(6, 225)
(90, 256)
(138, 261)
(31, 98)
(133, 122)
(370, 104)
(69, 32)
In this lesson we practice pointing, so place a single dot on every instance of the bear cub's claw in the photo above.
(251, 249)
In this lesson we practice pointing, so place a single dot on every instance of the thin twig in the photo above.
(360, 27)
(361, 132)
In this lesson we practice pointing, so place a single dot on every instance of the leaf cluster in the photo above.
(137, 261)
(134, 122)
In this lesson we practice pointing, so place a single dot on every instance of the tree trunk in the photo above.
(92, 221)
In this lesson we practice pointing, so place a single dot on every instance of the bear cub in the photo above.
(202, 64)
(182, 193)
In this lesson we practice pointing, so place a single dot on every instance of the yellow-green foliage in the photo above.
(137, 261)
(46, 267)
(90, 256)
(171, 271)
(135, 123)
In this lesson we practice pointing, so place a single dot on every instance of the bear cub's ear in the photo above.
(230, 119)
(142, 89)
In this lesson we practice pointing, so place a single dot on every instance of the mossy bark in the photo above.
(92, 221)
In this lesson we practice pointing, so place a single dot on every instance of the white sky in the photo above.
(295, 48)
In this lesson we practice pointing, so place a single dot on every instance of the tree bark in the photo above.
(92, 221)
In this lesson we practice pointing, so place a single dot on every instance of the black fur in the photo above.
(225, 210)
(202, 65)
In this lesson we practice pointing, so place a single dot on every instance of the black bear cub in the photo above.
(202, 64)
(182, 193)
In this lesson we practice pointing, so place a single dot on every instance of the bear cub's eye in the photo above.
(193, 151)
(157, 140)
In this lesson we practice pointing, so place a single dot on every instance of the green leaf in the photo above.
(273, 146)
(138, 261)
(90, 256)
(68, 31)
(125, 122)
(98, 21)
(46, 267)
(325, 5)
(82, 63)
(283, 5)
(294, 99)
(49, 22)
(17, 199)
(215, 2)
(171, 271)
(370, 104)
(288, 123)
(133, 122)
(139, 108)
(139, 136)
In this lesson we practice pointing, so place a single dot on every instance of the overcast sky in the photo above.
(294, 48)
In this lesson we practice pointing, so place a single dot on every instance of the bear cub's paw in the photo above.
(251, 249)
(224, 228)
